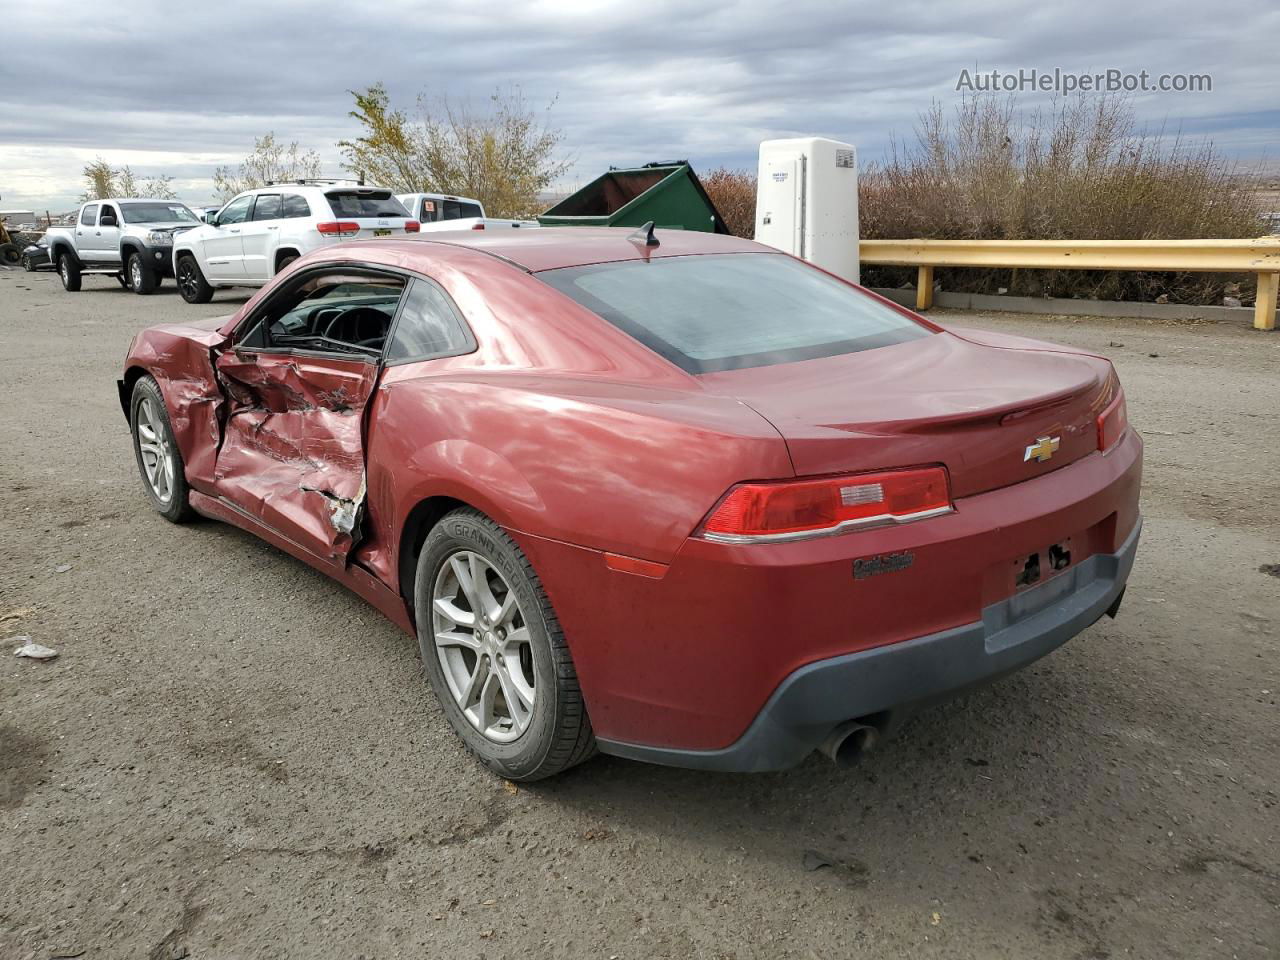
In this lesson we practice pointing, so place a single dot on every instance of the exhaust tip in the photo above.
(846, 744)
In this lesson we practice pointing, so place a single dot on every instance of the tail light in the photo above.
(477, 226)
(412, 226)
(1113, 421)
(339, 228)
(799, 509)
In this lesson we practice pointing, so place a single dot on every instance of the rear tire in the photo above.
(69, 271)
(287, 259)
(159, 460)
(521, 654)
(191, 282)
(142, 276)
(28, 264)
(10, 254)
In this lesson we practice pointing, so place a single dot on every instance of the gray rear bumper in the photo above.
(813, 700)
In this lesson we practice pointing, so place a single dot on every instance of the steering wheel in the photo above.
(363, 327)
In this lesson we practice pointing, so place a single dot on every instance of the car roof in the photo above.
(326, 186)
(134, 200)
(551, 248)
(440, 196)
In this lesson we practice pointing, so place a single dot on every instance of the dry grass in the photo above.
(1079, 170)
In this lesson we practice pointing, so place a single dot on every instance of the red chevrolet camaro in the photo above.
(673, 496)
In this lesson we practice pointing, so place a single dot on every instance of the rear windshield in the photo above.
(729, 311)
(157, 213)
(368, 203)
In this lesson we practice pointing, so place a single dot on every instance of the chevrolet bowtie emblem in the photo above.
(1042, 449)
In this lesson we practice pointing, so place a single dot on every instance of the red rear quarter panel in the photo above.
(627, 470)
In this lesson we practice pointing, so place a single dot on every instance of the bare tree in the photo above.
(504, 155)
(159, 187)
(105, 181)
(270, 161)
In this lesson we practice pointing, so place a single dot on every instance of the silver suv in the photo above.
(261, 231)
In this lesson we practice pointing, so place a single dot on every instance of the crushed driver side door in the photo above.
(293, 450)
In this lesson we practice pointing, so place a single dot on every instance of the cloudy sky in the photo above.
(178, 89)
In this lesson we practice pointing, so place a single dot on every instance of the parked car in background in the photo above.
(129, 238)
(35, 256)
(439, 211)
(676, 496)
(261, 231)
(204, 213)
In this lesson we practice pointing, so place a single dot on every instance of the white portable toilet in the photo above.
(807, 202)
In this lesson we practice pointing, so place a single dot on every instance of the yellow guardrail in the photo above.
(1260, 256)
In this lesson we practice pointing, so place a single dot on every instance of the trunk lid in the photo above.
(972, 407)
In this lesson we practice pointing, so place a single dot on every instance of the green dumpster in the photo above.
(669, 194)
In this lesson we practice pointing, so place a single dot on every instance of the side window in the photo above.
(429, 326)
(429, 213)
(89, 216)
(460, 210)
(267, 207)
(296, 206)
(332, 312)
(237, 211)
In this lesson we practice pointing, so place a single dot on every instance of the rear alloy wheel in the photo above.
(483, 645)
(142, 276)
(494, 652)
(191, 282)
(156, 450)
(69, 271)
(28, 264)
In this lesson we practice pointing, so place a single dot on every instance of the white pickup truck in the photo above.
(439, 211)
(129, 238)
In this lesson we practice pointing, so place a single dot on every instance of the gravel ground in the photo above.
(232, 757)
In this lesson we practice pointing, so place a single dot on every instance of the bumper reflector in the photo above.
(641, 568)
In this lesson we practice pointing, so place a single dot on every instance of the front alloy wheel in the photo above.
(483, 646)
(191, 282)
(142, 276)
(157, 453)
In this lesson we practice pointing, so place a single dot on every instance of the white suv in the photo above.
(261, 231)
